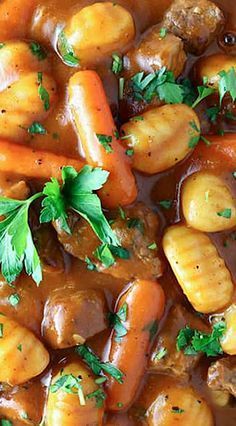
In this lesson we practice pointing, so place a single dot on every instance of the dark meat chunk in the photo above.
(175, 362)
(71, 317)
(155, 52)
(195, 21)
(136, 232)
(222, 375)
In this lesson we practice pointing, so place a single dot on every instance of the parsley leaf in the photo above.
(177, 410)
(38, 51)
(163, 32)
(105, 141)
(96, 365)
(14, 299)
(117, 64)
(203, 92)
(1, 330)
(17, 249)
(70, 384)
(106, 252)
(161, 353)
(227, 84)
(67, 51)
(37, 128)
(194, 341)
(116, 321)
(5, 422)
(226, 213)
(99, 396)
(76, 193)
(166, 204)
(43, 93)
(212, 113)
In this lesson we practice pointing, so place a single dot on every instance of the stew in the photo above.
(118, 212)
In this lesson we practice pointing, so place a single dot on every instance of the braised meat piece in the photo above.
(136, 231)
(71, 317)
(197, 22)
(222, 375)
(155, 52)
(172, 361)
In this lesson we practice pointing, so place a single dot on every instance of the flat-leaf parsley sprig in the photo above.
(76, 193)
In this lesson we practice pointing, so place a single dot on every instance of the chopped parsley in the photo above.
(106, 254)
(37, 128)
(135, 222)
(166, 204)
(193, 341)
(227, 84)
(70, 384)
(105, 141)
(96, 365)
(212, 113)
(163, 32)
(1, 330)
(177, 410)
(90, 264)
(122, 213)
(43, 93)
(67, 51)
(116, 321)
(152, 246)
(2, 45)
(5, 422)
(129, 152)
(19, 347)
(14, 299)
(161, 354)
(226, 213)
(203, 92)
(99, 396)
(137, 118)
(38, 51)
(121, 87)
(117, 64)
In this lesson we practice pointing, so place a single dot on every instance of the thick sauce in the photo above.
(61, 270)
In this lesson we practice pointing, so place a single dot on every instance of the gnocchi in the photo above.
(200, 271)
(77, 406)
(210, 67)
(181, 406)
(207, 203)
(161, 137)
(98, 30)
(21, 353)
(228, 340)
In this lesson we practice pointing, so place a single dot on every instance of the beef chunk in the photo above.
(222, 375)
(175, 362)
(155, 52)
(136, 232)
(71, 317)
(195, 21)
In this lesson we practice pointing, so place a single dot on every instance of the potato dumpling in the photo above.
(98, 30)
(21, 353)
(154, 52)
(161, 137)
(207, 203)
(179, 406)
(211, 66)
(200, 271)
(78, 408)
(228, 341)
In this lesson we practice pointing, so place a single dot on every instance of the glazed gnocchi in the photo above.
(76, 403)
(228, 341)
(98, 30)
(200, 271)
(160, 138)
(208, 68)
(21, 353)
(207, 203)
(180, 406)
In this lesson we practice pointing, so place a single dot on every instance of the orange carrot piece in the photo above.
(92, 116)
(31, 163)
(145, 306)
(221, 154)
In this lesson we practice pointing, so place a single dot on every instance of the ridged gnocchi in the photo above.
(199, 269)
(207, 203)
(74, 408)
(21, 353)
(180, 406)
(160, 138)
(210, 67)
(98, 30)
(23, 95)
(228, 340)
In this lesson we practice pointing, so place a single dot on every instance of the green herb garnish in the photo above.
(105, 141)
(227, 84)
(99, 396)
(166, 204)
(163, 32)
(226, 213)
(116, 321)
(70, 384)
(37, 128)
(14, 299)
(161, 353)
(43, 93)
(38, 51)
(67, 51)
(117, 64)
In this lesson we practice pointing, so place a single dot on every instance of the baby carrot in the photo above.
(144, 301)
(220, 154)
(28, 162)
(99, 138)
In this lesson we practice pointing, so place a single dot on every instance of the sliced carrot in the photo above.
(14, 17)
(145, 305)
(221, 154)
(92, 116)
(31, 163)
